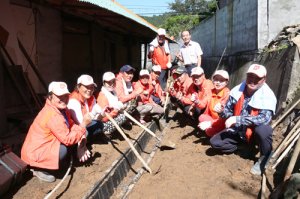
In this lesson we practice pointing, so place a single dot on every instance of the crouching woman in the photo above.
(52, 133)
(109, 98)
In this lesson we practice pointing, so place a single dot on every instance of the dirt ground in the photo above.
(81, 177)
(191, 170)
(194, 170)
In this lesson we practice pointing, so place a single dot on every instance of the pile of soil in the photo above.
(194, 170)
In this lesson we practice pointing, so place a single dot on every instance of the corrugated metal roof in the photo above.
(115, 7)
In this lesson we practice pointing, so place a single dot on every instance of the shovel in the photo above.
(139, 124)
(128, 141)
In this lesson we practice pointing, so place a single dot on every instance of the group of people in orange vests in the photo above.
(70, 120)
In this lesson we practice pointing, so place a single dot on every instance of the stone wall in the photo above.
(244, 28)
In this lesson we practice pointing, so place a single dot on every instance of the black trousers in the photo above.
(227, 141)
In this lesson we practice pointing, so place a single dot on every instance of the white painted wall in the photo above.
(281, 14)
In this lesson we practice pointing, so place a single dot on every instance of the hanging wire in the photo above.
(36, 15)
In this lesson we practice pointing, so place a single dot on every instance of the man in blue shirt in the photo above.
(249, 110)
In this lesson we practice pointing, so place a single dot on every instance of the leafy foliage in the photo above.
(174, 25)
(189, 6)
(185, 15)
(156, 20)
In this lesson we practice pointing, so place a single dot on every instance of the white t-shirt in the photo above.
(75, 108)
(190, 53)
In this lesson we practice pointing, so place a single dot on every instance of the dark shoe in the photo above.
(43, 175)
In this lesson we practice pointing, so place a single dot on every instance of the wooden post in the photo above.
(92, 54)
(3, 119)
(33, 66)
(145, 55)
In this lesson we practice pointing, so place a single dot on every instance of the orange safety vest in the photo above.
(48, 130)
(222, 97)
(90, 102)
(120, 90)
(145, 98)
(160, 57)
(103, 101)
(237, 112)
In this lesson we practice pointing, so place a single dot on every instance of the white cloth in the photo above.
(263, 98)
(75, 109)
(127, 87)
(155, 44)
(111, 96)
(190, 53)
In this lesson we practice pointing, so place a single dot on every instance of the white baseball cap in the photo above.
(222, 73)
(161, 31)
(144, 72)
(58, 88)
(86, 80)
(258, 70)
(108, 76)
(197, 71)
(156, 68)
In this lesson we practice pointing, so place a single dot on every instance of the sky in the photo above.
(146, 8)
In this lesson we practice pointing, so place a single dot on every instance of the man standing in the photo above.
(249, 110)
(190, 52)
(161, 55)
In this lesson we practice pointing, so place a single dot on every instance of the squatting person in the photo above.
(249, 110)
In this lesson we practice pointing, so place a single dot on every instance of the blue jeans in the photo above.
(227, 141)
(163, 78)
(94, 128)
(156, 99)
(186, 108)
(189, 68)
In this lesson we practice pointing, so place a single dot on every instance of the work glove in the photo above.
(151, 49)
(107, 109)
(219, 108)
(83, 154)
(230, 121)
(119, 106)
(96, 110)
(169, 65)
(204, 125)
(195, 98)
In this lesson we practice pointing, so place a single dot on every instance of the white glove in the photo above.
(83, 154)
(96, 110)
(193, 97)
(204, 125)
(119, 106)
(219, 108)
(169, 65)
(151, 49)
(230, 121)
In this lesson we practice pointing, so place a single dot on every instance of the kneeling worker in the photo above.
(51, 133)
(249, 110)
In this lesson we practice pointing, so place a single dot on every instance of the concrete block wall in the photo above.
(234, 27)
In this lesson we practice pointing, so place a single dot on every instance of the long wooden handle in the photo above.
(287, 112)
(128, 141)
(171, 84)
(138, 123)
(286, 140)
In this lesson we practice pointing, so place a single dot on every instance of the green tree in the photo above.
(187, 14)
(188, 6)
(175, 24)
